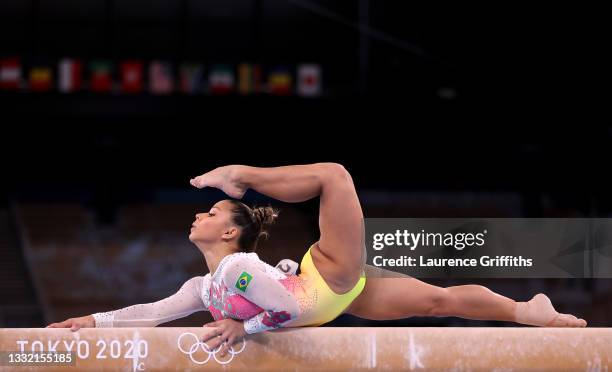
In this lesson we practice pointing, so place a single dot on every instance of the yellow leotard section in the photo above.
(329, 304)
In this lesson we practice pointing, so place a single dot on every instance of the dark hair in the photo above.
(252, 223)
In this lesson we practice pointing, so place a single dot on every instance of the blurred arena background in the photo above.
(436, 110)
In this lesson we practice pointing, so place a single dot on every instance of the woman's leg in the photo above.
(339, 254)
(397, 298)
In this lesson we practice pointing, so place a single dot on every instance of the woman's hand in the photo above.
(75, 323)
(226, 179)
(228, 331)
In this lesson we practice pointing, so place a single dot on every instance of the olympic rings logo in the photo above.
(205, 348)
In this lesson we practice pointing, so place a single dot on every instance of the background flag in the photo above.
(309, 80)
(191, 78)
(221, 80)
(131, 76)
(101, 79)
(279, 81)
(10, 73)
(40, 79)
(70, 75)
(161, 80)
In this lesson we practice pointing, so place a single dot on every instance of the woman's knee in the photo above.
(440, 302)
(335, 172)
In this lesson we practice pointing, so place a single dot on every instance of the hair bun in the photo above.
(264, 216)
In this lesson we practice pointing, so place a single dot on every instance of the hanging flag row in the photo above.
(160, 78)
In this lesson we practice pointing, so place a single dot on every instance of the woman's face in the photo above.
(210, 227)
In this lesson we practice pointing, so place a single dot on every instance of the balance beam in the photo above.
(324, 348)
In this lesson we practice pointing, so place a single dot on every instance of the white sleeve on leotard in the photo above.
(189, 299)
(254, 280)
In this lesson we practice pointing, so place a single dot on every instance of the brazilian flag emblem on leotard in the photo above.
(243, 281)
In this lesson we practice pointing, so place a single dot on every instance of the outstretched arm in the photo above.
(181, 304)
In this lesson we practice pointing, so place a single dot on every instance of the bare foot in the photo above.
(222, 178)
(540, 312)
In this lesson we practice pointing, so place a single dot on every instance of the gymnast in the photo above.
(246, 295)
